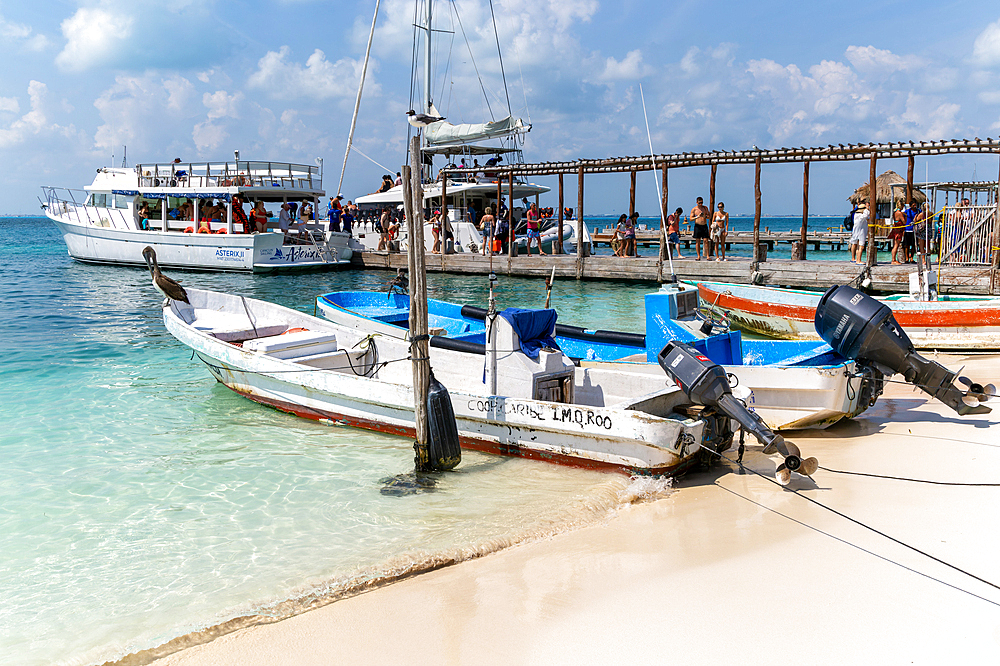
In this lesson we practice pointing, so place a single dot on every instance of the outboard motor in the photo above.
(706, 383)
(859, 327)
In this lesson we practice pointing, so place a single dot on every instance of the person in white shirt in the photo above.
(284, 219)
(859, 235)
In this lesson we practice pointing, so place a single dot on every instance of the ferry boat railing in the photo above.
(241, 173)
(967, 235)
(64, 202)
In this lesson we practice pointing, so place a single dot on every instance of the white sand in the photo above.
(706, 575)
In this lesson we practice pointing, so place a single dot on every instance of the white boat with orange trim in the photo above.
(170, 207)
(505, 400)
(951, 322)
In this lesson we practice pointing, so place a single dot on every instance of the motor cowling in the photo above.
(859, 327)
(706, 383)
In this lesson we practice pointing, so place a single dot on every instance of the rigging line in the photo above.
(857, 522)
(358, 150)
(856, 546)
(447, 67)
(473, 59)
(659, 193)
(500, 57)
(903, 478)
(413, 77)
(357, 103)
(517, 57)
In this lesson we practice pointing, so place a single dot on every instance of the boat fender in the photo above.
(443, 450)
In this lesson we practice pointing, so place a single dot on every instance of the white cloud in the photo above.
(318, 79)
(986, 48)
(31, 123)
(94, 37)
(870, 60)
(631, 67)
(9, 105)
(221, 104)
(23, 34)
(208, 136)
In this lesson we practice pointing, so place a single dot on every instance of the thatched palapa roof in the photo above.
(883, 193)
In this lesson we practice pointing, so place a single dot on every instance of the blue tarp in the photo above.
(533, 327)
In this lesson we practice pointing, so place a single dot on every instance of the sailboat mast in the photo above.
(427, 63)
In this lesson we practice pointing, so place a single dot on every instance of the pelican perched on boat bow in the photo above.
(166, 286)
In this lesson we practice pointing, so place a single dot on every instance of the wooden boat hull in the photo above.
(622, 437)
(969, 323)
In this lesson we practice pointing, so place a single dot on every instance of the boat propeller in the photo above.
(859, 327)
(706, 383)
(976, 393)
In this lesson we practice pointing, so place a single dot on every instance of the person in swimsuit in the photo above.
(630, 248)
(674, 231)
(533, 232)
(896, 232)
(909, 233)
(720, 229)
(699, 216)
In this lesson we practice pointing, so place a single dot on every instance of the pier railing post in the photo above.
(805, 209)
(580, 250)
(756, 213)
(909, 180)
(631, 192)
(872, 212)
(559, 240)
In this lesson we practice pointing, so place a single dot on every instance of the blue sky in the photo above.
(277, 80)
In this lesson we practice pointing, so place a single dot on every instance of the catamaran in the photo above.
(164, 206)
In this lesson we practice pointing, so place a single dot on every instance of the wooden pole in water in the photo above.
(994, 278)
(872, 217)
(496, 214)
(559, 240)
(712, 250)
(510, 213)
(579, 224)
(756, 211)
(631, 193)
(444, 211)
(420, 349)
(663, 226)
(805, 208)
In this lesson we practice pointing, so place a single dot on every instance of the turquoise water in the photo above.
(140, 500)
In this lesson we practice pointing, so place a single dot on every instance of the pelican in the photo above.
(166, 286)
(421, 119)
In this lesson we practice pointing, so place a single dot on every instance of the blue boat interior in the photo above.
(463, 327)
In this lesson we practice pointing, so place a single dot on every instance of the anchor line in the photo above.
(903, 478)
(877, 531)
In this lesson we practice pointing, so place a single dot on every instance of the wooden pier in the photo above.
(815, 240)
(809, 274)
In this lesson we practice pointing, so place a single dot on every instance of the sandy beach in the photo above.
(729, 567)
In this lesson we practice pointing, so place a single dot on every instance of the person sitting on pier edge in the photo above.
(239, 215)
(859, 234)
(720, 229)
(699, 215)
(674, 232)
(896, 232)
(533, 230)
(909, 235)
(618, 236)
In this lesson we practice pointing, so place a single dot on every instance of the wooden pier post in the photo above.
(510, 213)
(756, 212)
(994, 276)
(631, 192)
(805, 209)
(872, 217)
(711, 193)
(559, 240)
(909, 180)
(420, 349)
(443, 248)
(664, 248)
(579, 224)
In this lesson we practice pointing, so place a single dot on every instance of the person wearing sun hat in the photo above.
(859, 234)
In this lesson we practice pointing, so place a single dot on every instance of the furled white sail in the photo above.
(443, 133)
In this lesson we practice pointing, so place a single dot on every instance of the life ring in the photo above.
(221, 231)
(204, 227)
(189, 230)
(295, 330)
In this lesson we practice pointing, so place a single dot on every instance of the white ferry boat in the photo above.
(158, 205)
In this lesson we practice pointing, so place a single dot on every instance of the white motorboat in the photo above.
(505, 401)
(103, 224)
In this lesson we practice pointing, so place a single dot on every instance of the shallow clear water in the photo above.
(140, 500)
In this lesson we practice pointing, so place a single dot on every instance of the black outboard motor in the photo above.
(706, 383)
(859, 327)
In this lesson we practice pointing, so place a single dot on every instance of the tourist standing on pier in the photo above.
(909, 235)
(896, 232)
(920, 228)
(859, 234)
(720, 229)
(630, 248)
(699, 215)
(533, 231)
(487, 228)
(674, 231)
(618, 236)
